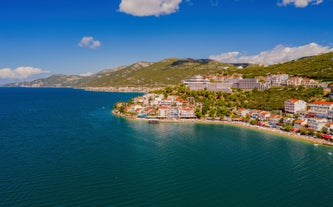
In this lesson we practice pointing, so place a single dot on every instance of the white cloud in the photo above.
(300, 3)
(20, 72)
(149, 7)
(86, 74)
(279, 54)
(89, 42)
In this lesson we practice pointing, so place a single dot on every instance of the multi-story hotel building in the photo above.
(294, 106)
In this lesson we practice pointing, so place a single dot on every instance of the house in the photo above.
(134, 109)
(173, 113)
(261, 115)
(293, 106)
(274, 119)
(249, 83)
(321, 108)
(166, 102)
(163, 112)
(277, 79)
(310, 82)
(243, 112)
(294, 81)
(317, 123)
(299, 123)
(186, 113)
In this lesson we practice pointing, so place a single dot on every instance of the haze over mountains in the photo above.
(172, 70)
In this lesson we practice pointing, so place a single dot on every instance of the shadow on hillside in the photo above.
(186, 61)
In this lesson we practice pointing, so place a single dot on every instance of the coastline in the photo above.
(119, 89)
(95, 89)
(273, 131)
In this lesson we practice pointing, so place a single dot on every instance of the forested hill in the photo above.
(318, 67)
(166, 72)
(172, 71)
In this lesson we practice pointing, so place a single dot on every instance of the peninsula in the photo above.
(295, 107)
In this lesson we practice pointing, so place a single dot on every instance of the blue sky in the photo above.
(42, 37)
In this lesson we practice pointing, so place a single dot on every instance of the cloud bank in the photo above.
(89, 42)
(301, 3)
(149, 7)
(279, 54)
(20, 72)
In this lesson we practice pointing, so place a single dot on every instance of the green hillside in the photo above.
(317, 67)
(166, 72)
(53, 81)
(172, 71)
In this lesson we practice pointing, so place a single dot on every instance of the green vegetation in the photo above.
(318, 67)
(166, 72)
(172, 71)
(219, 104)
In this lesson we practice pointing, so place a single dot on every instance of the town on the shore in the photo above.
(313, 119)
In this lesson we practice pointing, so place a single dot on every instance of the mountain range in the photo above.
(172, 70)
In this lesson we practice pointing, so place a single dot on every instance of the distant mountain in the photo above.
(173, 70)
(166, 72)
(53, 81)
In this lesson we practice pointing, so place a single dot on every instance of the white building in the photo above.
(277, 80)
(294, 106)
(321, 107)
(317, 123)
(163, 112)
(186, 113)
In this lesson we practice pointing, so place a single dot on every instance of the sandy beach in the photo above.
(274, 131)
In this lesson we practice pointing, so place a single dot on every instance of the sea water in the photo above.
(63, 147)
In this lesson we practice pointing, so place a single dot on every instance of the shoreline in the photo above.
(119, 89)
(273, 131)
(94, 89)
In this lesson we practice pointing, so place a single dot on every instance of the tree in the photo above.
(247, 118)
(212, 113)
(324, 130)
(254, 122)
(303, 131)
(198, 113)
(318, 134)
(287, 127)
(131, 101)
(121, 109)
(311, 132)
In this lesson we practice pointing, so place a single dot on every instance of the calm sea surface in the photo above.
(63, 147)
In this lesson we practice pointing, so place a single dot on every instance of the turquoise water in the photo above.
(63, 147)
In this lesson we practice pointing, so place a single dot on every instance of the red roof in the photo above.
(323, 102)
(329, 124)
(293, 100)
(187, 109)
